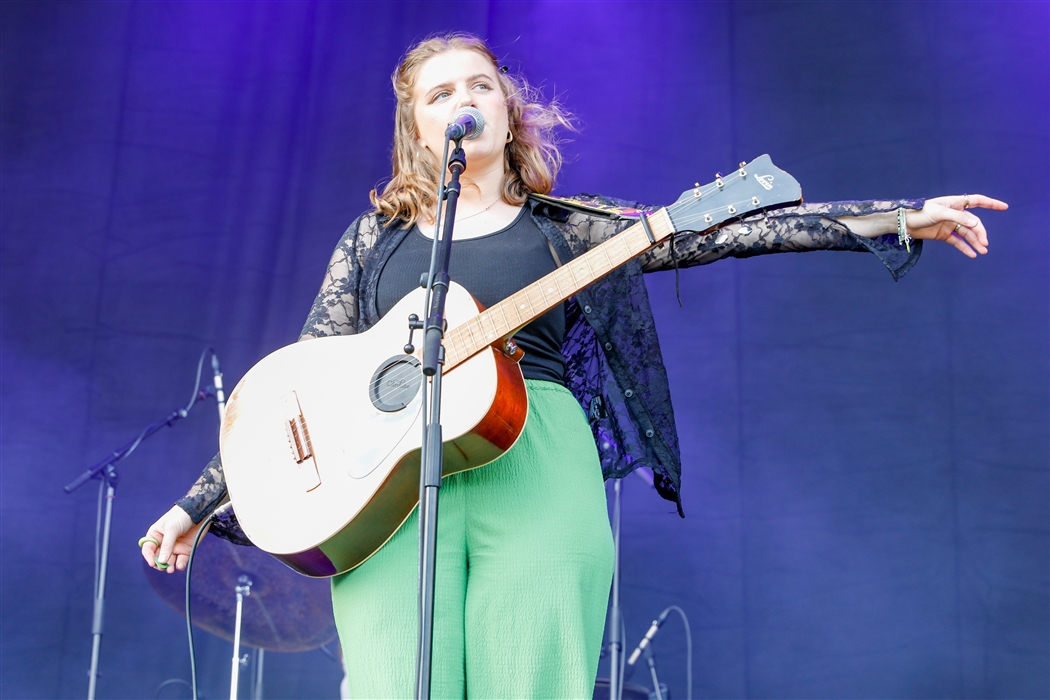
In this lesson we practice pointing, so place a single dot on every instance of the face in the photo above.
(457, 79)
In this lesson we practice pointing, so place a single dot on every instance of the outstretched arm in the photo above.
(941, 219)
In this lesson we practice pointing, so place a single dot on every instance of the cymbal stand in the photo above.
(242, 590)
(650, 658)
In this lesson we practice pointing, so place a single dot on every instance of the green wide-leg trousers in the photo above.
(524, 564)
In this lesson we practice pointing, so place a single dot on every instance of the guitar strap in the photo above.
(569, 204)
(602, 210)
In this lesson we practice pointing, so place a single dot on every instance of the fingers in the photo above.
(965, 241)
(149, 547)
(966, 238)
(167, 544)
(164, 547)
(963, 229)
(969, 201)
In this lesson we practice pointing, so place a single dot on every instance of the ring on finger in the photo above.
(956, 230)
(966, 201)
(147, 538)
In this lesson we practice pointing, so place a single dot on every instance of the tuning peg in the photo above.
(718, 180)
(743, 173)
(696, 190)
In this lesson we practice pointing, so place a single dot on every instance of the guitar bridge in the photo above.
(299, 441)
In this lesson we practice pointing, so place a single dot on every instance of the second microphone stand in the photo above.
(432, 450)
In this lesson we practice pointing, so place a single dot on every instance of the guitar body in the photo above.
(321, 439)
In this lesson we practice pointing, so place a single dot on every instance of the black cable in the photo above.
(197, 393)
(197, 396)
(688, 651)
(189, 621)
(170, 681)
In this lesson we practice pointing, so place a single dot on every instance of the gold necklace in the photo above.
(477, 213)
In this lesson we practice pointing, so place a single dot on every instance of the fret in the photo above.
(539, 288)
(490, 334)
(467, 327)
(579, 272)
(551, 288)
(507, 327)
(471, 333)
(530, 296)
(556, 278)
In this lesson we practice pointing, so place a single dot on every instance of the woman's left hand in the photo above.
(948, 219)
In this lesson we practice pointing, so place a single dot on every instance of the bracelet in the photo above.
(903, 238)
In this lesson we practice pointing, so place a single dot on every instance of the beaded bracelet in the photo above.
(903, 238)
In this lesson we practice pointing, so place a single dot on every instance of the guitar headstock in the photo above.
(751, 188)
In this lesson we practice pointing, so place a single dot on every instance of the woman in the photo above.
(524, 548)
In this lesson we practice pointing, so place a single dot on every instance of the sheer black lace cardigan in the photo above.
(613, 362)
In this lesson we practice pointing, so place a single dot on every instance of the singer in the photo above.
(524, 545)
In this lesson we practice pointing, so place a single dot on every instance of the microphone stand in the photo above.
(432, 449)
(106, 470)
(650, 659)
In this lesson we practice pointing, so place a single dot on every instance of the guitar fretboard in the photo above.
(513, 313)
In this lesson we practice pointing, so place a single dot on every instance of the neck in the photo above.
(479, 188)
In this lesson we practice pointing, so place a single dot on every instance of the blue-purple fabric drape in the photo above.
(865, 463)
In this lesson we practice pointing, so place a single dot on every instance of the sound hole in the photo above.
(395, 383)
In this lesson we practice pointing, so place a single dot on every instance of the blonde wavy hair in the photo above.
(532, 157)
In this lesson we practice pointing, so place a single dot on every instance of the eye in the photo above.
(482, 86)
(440, 95)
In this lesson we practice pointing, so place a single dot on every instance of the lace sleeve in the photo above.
(789, 230)
(335, 309)
(334, 312)
(207, 493)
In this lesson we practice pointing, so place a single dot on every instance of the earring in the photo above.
(510, 136)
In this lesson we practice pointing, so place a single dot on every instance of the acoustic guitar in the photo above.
(321, 440)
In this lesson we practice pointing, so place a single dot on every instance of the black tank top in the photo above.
(491, 268)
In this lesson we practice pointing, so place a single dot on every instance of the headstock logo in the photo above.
(765, 180)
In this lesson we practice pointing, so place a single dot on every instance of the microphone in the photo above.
(648, 637)
(220, 397)
(467, 123)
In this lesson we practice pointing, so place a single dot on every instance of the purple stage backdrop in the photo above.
(865, 462)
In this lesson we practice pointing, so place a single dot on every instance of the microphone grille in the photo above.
(476, 115)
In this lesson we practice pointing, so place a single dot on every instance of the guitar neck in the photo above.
(515, 312)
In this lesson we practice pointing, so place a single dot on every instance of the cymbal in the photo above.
(284, 611)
